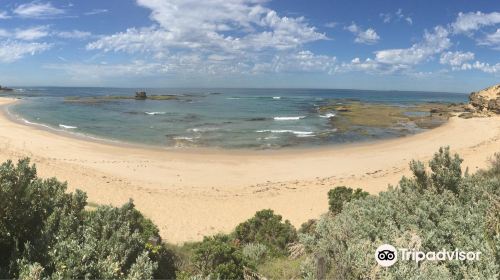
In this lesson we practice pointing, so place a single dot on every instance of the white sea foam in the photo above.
(288, 118)
(183, 138)
(298, 133)
(34, 123)
(155, 113)
(67, 126)
(329, 115)
(276, 97)
(203, 129)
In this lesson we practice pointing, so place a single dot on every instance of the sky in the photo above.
(449, 45)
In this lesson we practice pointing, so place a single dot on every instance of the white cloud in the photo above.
(219, 37)
(204, 26)
(370, 66)
(4, 15)
(456, 58)
(303, 61)
(368, 36)
(433, 43)
(492, 39)
(481, 66)
(390, 61)
(11, 51)
(331, 24)
(100, 71)
(467, 22)
(73, 34)
(33, 33)
(4, 33)
(396, 17)
(96, 12)
(39, 32)
(37, 9)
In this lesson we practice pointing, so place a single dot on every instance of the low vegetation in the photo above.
(47, 233)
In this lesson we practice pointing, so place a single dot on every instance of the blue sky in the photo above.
(401, 45)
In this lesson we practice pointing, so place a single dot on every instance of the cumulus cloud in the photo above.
(401, 60)
(481, 66)
(456, 58)
(468, 22)
(219, 36)
(368, 36)
(204, 26)
(432, 43)
(11, 51)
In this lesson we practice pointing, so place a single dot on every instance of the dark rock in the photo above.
(5, 89)
(141, 95)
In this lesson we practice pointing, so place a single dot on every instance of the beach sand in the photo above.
(192, 193)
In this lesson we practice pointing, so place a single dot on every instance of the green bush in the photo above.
(46, 232)
(338, 196)
(218, 257)
(429, 212)
(268, 229)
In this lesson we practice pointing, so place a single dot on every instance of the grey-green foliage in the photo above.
(218, 257)
(339, 196)
(47, 233)
(255, 252)
(430, 212)
(269, 229)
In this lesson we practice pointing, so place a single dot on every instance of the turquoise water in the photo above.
(226, 118)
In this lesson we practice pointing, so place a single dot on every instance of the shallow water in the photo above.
(227, 118)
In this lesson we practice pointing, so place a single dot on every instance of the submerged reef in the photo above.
(358, 114)
(99, 99)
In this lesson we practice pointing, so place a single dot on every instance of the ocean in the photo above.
(222, 118)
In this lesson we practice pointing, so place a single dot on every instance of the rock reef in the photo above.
(4, 89)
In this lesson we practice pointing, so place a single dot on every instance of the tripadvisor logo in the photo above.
(386, 255)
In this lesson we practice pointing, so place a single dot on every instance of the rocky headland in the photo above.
(485, 102)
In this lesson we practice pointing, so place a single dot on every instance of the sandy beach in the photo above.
(192, 193)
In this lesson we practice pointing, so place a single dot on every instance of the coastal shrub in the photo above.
(338, 196)
(308, 227)
(429, 212)
(218, 257)
(255, 252)
(281, 268)
(446, 170)
(47, 233)
(268, 229)
(494, 167)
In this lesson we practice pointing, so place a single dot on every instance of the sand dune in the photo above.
(191, 193)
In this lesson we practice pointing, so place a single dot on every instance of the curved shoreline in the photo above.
(189, 194)
(4, 109)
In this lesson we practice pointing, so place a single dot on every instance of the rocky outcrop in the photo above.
(486, 101)
(141, 95)
(5, 89)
